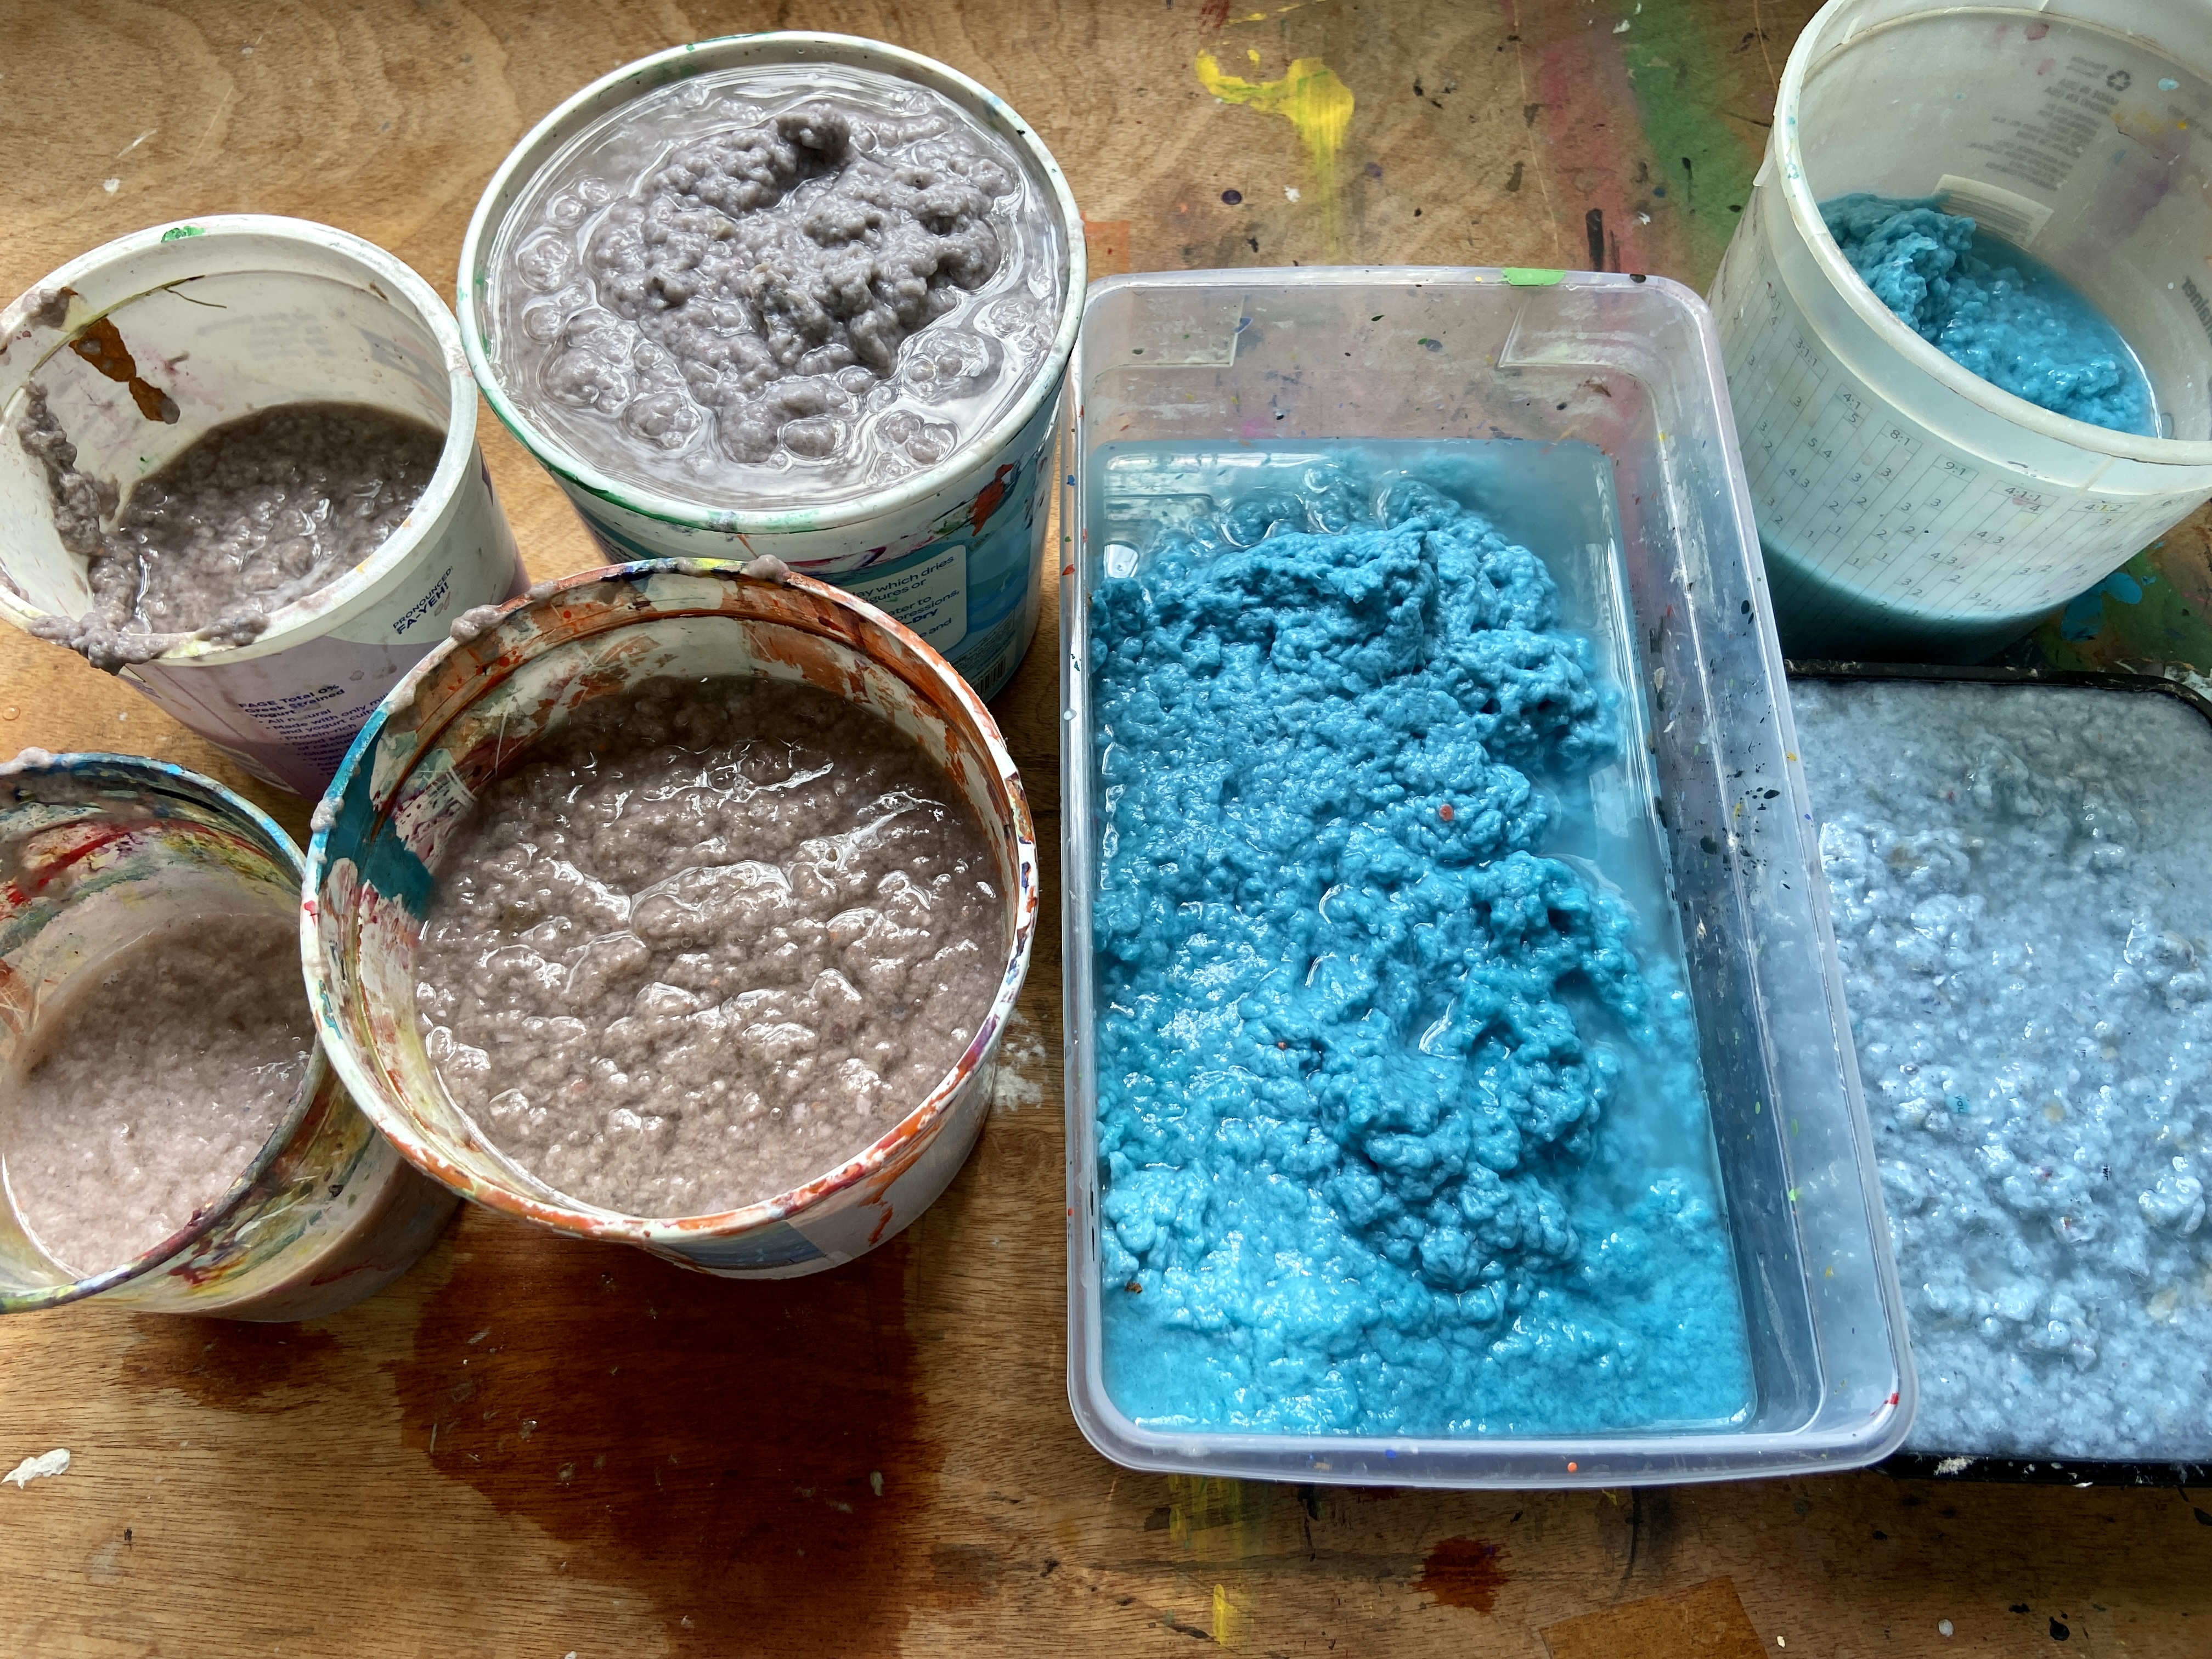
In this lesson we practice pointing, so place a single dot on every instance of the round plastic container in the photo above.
(468, 711)
(100, 849)
(1908, 507)
(144, 344)
(955, 551)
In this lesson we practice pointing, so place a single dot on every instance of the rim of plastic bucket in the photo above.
(384, 276)
(633, 80)
(559, 1211)
(159, 776)
(1805, 214)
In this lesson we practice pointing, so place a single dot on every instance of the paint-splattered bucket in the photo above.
(954, 551)
(98, 849)
(461, 718)
(145, 343)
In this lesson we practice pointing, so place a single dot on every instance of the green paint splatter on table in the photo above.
(2156, 608)
(1704, 97)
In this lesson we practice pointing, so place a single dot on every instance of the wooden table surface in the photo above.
(535, 1447)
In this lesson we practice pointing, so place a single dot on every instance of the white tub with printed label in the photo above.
(953, 551)
(144, 345)
(1908, 508)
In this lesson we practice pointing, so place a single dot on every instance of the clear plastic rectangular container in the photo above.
(1593, 374)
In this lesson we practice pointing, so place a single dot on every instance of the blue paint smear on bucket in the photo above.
(2085, 612)
(386, 862)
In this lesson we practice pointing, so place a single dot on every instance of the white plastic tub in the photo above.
(1908, 508)
(954, 551)
(220, 317)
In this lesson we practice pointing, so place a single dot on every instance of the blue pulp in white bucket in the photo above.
(1992, 308)
(1912, 507)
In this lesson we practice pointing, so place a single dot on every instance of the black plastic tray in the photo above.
(1975, 1465)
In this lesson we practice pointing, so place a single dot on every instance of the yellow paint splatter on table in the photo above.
(1313, 100)
(1230, 1620)
(1216, 1519)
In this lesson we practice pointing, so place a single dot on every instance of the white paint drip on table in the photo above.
(56, 1461)
(1021, 1067)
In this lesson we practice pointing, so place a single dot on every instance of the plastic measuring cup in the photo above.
(143, 345)
(100, 850)
(1907, 508)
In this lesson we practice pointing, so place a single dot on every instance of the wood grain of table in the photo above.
(530, 1446)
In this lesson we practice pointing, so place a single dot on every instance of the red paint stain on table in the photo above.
(743, 1454)
(1581, 91)
(1463, 1572)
